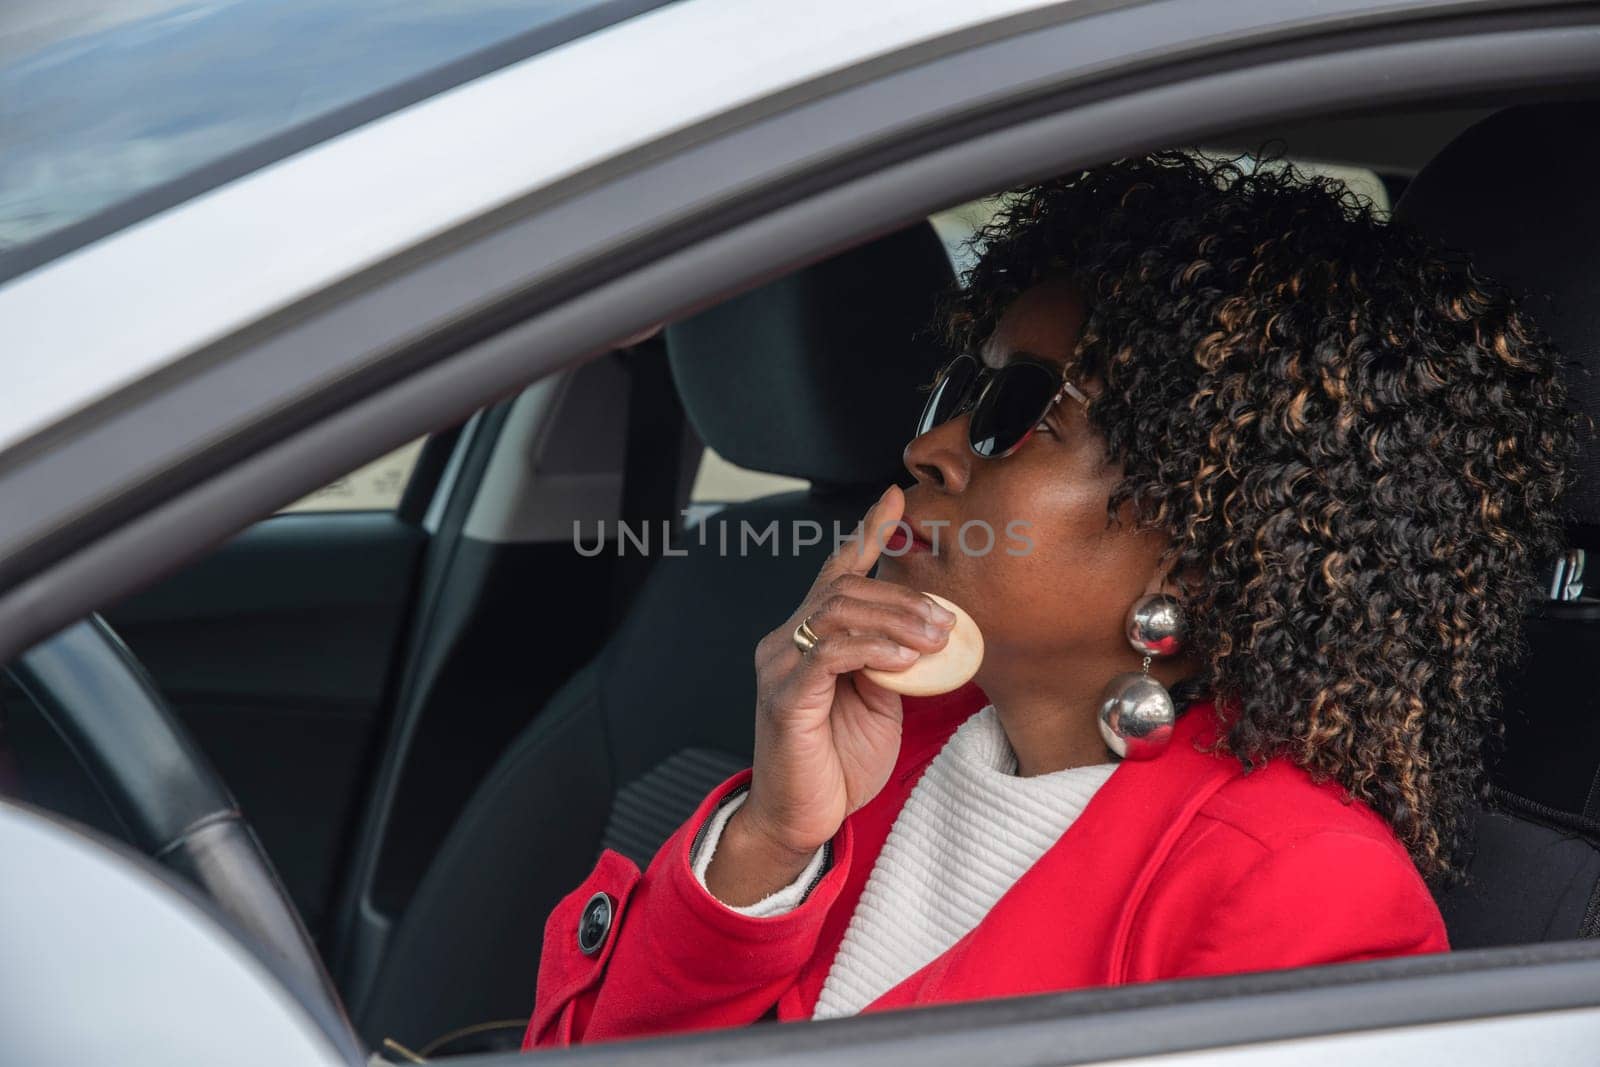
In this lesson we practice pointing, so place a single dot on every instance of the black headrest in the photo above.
(815, 375)
(1516, 193)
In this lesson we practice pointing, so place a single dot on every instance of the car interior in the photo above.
(436, 711)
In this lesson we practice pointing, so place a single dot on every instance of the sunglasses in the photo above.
(1007, 403)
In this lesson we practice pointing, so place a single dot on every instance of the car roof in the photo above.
(116, 311)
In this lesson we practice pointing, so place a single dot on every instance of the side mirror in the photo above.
(104, 959)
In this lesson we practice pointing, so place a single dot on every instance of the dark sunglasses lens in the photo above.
(947, 396)
(1016, 399)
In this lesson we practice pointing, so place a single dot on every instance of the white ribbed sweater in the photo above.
(967, 832)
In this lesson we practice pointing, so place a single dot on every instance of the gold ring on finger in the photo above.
(805, 638)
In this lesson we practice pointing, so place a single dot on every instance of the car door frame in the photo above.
(708, 214)
(1416, 1009)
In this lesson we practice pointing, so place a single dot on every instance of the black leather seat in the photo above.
(1516, 192)
(814, 376)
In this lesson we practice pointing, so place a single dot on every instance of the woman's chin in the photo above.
(928, 572)
(914, 567)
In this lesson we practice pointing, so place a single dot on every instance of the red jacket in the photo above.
(1179, 866)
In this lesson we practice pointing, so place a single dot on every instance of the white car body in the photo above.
(168, 285)
(206, 286)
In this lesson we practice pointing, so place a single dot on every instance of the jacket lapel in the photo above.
(1066, 923)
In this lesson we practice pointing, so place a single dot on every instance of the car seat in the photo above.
(814, 376)
(1516, 193)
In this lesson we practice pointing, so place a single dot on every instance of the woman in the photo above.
(1319, 458)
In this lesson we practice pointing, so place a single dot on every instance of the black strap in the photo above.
(1543, 814)
(652, 464)
(10, 776)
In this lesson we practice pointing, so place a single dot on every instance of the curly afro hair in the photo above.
(1355, 443)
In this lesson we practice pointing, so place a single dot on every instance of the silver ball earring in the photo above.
(1136, 711)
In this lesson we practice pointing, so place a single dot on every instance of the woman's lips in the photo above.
(899, 541)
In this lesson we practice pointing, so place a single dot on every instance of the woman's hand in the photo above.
(826, 738)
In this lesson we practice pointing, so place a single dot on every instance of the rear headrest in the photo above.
(1516, 192)
(815, 375)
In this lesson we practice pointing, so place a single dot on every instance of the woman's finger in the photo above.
(874, 589)
(876, 697)
(859, 554)
(842, 653)
(905, 624)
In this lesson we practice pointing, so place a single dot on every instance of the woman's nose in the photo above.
(940, 458)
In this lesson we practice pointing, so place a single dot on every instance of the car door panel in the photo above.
(278, 651)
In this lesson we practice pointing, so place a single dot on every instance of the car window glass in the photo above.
(378, 486)
(102, 100)
(720, 482)
(957, 225)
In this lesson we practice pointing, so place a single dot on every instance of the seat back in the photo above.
(815, 376)
(1515, 193)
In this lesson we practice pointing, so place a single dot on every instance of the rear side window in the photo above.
(378, 486)
(720, 482)
(957, 225)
